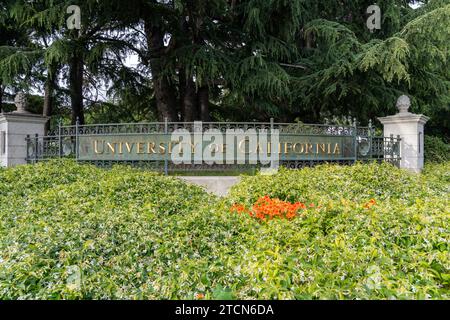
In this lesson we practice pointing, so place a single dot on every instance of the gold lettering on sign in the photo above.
(321, 147)
(112, 147)
(140, 148)
(309, 148)
(96, 147)
(337, 150)
(151, 148)
(193, 147)
(162, 148)
(287, 147)
(297, 149)
(129, 146)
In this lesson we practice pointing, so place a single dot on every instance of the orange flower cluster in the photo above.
(267, 209)
(200, 296)
(239, 208)
(370, 204)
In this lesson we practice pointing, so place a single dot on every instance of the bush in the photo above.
(436, 150)
(352, 247)
(330, 182)
(75, 231)
(70, 231)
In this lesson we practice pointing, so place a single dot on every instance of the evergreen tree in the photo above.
(238, 59)
(79, 53)
(14, 43)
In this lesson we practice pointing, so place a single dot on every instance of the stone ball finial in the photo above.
(21, 103)
(403, 104)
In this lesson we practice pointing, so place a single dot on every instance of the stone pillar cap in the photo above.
(403, 104)
(21, 103)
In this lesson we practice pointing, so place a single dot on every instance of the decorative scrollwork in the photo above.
(61, 142)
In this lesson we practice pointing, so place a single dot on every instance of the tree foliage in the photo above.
(232, 59)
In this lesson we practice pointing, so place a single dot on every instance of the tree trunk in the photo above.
(76, 88)
(49, 97)
(188, 97)
(203, 100)
(196, 23)
(164, 91)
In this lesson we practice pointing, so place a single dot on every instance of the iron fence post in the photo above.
(272, 128)
(355, 136)
(391, 149)
(59, 138)
(36, 148)
(28, 140)
(77, 123)
(166, 162)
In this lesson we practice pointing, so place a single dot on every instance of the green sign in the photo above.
(218, 147)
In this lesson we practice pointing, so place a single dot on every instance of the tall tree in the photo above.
(247, 59)
(78, 52)
(15, 56)
(164, 90)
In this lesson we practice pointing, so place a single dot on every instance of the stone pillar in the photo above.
(14, 128)
(410, 128)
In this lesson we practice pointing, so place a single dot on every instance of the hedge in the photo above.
(436, 150)
(70, 231)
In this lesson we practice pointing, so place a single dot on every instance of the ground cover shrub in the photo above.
(70, 231)
(436, 150)
(76, 231)
(359, 182)
(437, 177)
(376, 232)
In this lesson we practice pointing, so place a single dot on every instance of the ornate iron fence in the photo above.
(358, 143)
